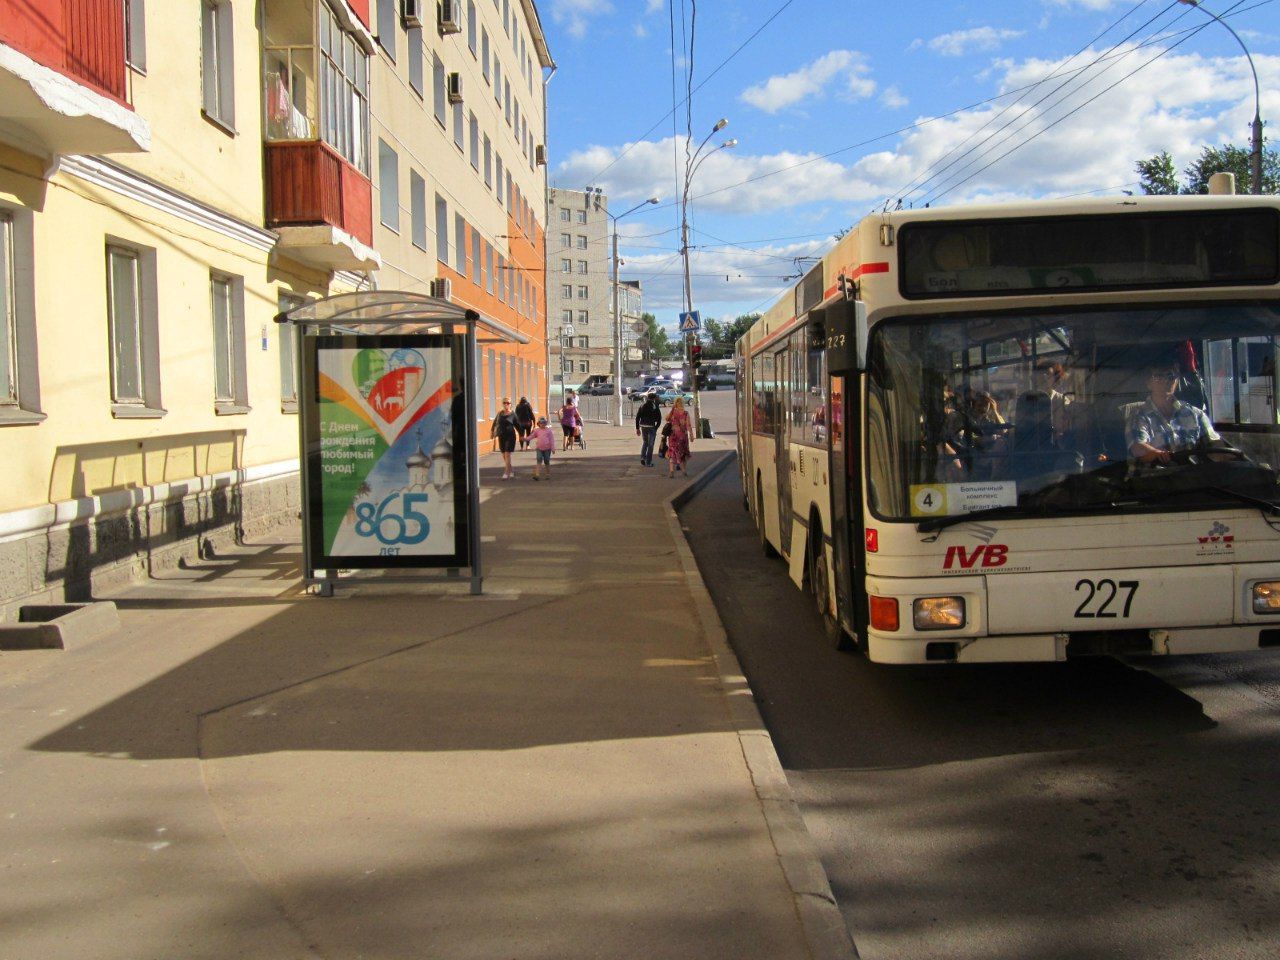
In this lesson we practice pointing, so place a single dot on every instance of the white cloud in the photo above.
(892, 98)
(575, 15)
(783, 90)
(960, 42)
(654, 6)
(1086, 4)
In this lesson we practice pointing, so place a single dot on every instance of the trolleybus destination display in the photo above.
(386, 451)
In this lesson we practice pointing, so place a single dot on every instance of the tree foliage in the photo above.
(719, 337)
(660, 346)
(1157, 175)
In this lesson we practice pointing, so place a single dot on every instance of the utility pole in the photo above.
(617, 315)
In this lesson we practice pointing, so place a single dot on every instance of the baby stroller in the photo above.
(579, 438)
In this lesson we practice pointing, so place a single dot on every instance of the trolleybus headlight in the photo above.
(1266, 596)
(939, 613)
(884, 614)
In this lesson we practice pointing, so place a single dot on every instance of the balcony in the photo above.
(319, 197)
(63, 79)
(321, 206)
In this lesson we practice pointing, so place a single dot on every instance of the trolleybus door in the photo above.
(782, 446)
(848, 533)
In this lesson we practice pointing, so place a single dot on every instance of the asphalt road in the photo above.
(1078, 810)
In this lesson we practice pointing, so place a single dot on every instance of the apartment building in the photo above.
(172, 176)
(458, 143)
(578, 291)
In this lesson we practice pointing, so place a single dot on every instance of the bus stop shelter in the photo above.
(387, 401)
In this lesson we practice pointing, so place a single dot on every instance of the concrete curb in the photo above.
(823, 925)
(59, 626)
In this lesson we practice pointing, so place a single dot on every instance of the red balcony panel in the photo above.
(308, 183)
(81, 38)
(361, 9)
(357, 204)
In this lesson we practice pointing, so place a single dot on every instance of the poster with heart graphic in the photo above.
(386, 459)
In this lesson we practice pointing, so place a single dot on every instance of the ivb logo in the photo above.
(985, 554)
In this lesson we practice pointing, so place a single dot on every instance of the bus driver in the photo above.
(1162, 425)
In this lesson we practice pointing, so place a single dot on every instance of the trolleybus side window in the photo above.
(763, 393)
(808, 387)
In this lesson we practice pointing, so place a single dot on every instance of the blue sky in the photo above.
(825, 76)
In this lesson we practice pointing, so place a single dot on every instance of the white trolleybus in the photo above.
(1028, 432)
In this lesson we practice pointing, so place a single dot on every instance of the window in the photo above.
(582, 242)
(460, 244)
(488, 162)
(567, 317)
(19, 380)
(506, 100)
(583, 366)
(458, 126)
(497, 177)
(484, 54)
(566, 290)
(135, 34)
(438, 88)
(582, 216)
(474, 126)
(344, 76)
(217, 73)
(582, 266)
(388, 186)
(230, 386)
(414, 38)
(506, 17)
(583, 316)
(417, 210)
(566, 266)
(493, 385)
(502, 278)
(566, 240)
(490, 268)
(582, 293)
(288, 354)
(497, 79)
(442, 230)
(471, 26)
(564, 215)
(582, 342)
(387, 26)
(477, 265)
(135, 368)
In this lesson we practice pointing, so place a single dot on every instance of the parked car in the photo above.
(603, 389)
(671, 395)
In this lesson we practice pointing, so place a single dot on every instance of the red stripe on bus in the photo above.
(880, 267)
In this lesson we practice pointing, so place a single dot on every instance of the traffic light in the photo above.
(695, 356)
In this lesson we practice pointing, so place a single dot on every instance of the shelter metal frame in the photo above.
(396, 312)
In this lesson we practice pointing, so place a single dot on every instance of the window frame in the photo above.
(217, 64)
(147, 403)
(234, 400)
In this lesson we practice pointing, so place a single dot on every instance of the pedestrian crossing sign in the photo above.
(690, 322)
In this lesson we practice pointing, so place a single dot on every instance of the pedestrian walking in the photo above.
(648, 420)
(544, 441)
(504, 429)
(678, 439)
(570, 423)
(524, 421)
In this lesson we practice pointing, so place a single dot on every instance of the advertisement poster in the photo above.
(386, 451)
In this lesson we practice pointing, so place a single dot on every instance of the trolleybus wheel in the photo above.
(820, 585)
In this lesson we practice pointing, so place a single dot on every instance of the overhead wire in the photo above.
(1163, 52)
(919, 180)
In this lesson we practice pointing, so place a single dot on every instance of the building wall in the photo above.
(508, 224)
(579, 233)
(92, 495)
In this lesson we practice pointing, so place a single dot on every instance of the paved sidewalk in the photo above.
(568, 766)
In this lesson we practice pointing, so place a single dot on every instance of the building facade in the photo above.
(578, 289)
(174, 175)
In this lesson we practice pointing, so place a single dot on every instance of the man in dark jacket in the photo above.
(524, 421)
(648, 419)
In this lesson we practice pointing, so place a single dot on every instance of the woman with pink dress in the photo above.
(678, 439)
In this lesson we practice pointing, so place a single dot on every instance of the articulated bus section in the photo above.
(1027, 432)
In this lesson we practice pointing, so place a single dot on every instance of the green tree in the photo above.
(660, 347)
(1232, 159)
(1158, 176)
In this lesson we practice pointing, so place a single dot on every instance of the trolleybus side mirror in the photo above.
(860, 332)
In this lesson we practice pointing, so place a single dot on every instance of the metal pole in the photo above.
(617, 335)
(473, 461)
(1255, 154)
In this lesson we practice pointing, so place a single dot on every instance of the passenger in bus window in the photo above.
(1049, 378)
(1163, 425)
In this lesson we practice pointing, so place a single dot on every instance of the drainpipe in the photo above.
(546, 232)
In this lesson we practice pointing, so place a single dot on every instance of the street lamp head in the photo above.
(653, 200)
(729, 143)
(720, 125)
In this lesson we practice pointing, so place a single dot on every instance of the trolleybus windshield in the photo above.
(1030, 414)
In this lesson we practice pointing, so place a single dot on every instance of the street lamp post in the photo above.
(617, 316)
(691, 167)
(1255, 154)
(566, 332)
